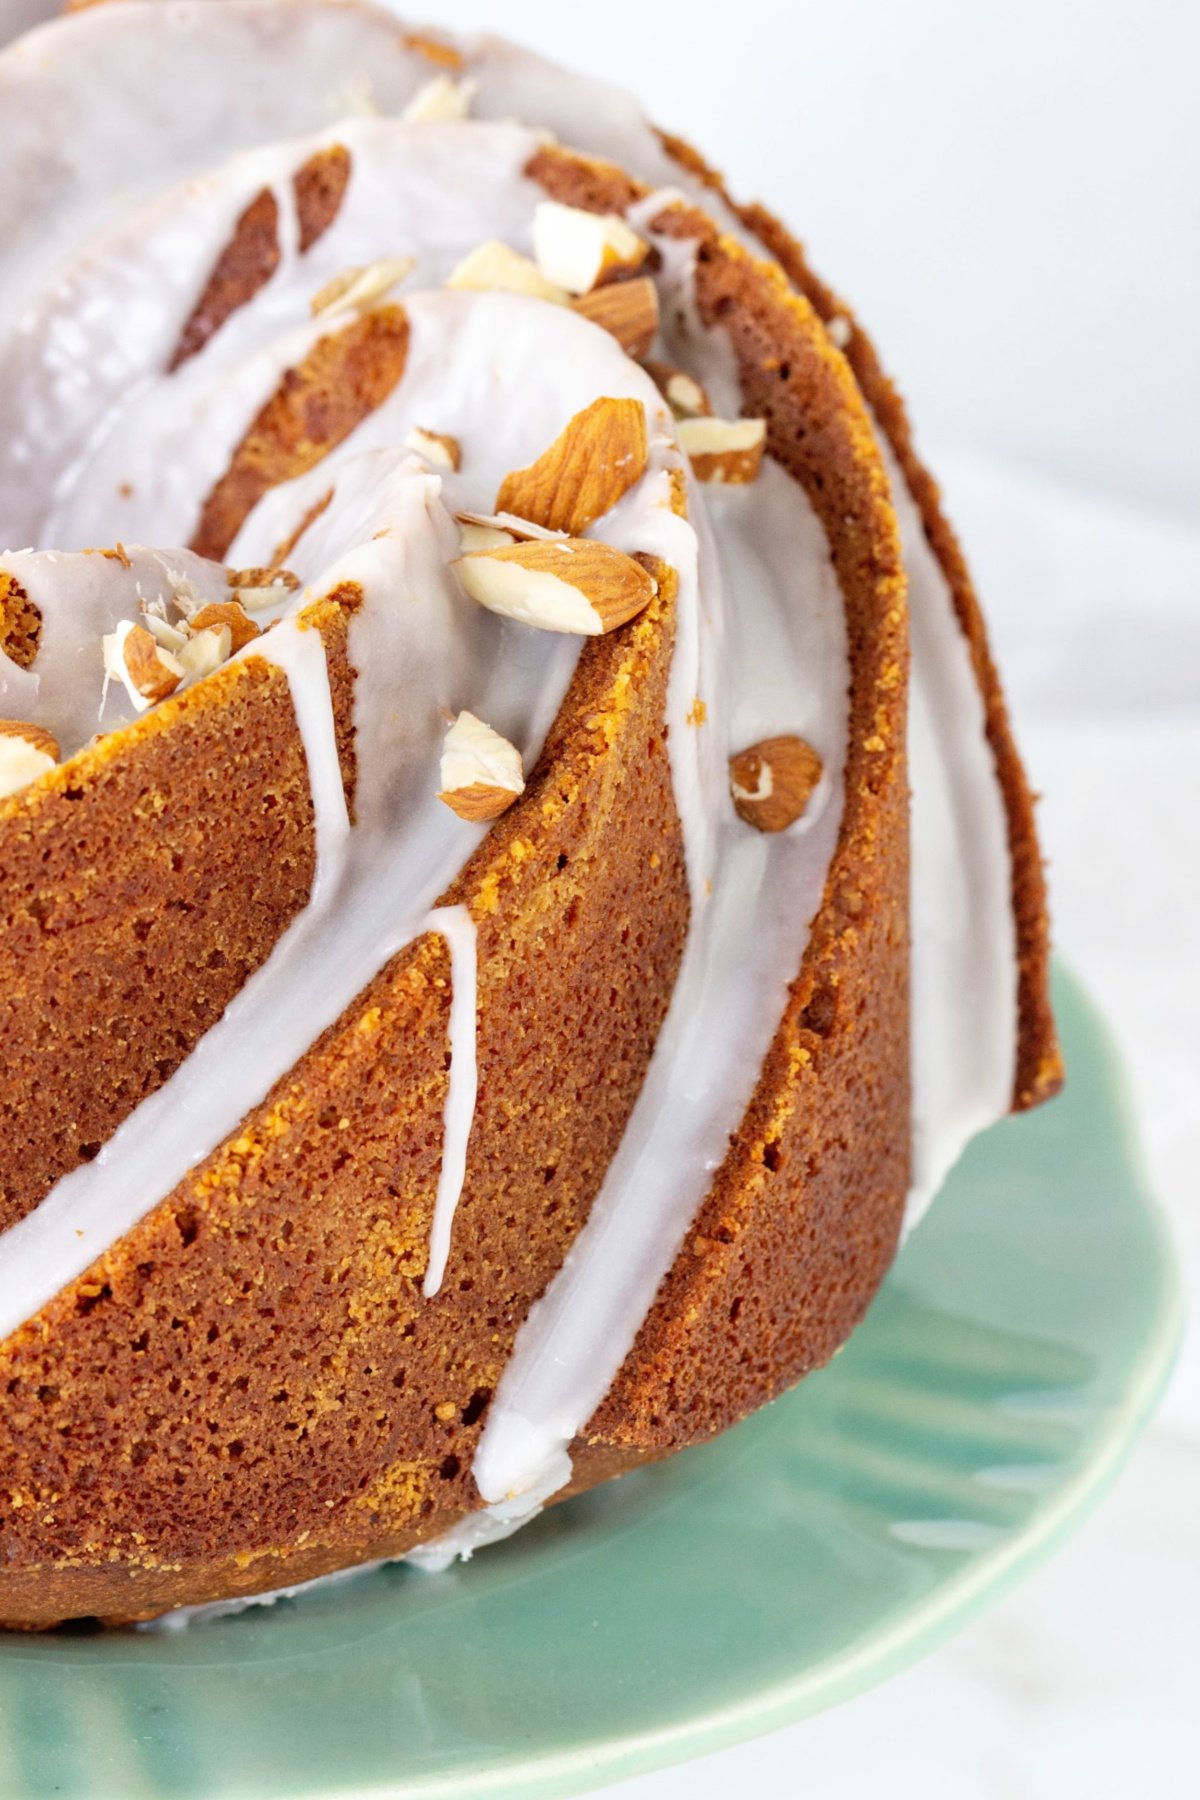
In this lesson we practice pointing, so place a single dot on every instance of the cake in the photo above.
(479, 1007)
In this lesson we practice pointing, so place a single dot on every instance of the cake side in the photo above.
(157, 1407)
(1039, 1068)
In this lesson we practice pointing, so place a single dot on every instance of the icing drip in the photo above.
(458, 929)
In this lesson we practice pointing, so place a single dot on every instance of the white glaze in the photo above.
(170, 440)
(457, 927)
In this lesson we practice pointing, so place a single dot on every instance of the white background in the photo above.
(1009, 193)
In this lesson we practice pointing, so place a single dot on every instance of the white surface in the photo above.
(1008, 192)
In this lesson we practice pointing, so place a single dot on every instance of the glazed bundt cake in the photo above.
(478, 1000)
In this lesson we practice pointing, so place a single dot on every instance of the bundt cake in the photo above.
(478, 1003)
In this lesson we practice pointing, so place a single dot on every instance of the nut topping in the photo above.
(441, 98)
(627, 310)
(492, 531)
(146, 671)
(493, 267)
(567, 584)
(681, 391)
(728, 450)
(357, 290)
(578, 250)
(26, 751)
(438, 448)
(205, 651)
(773, 781)
(227, 614)
(598, 457)
(481, 771)
(256, 588)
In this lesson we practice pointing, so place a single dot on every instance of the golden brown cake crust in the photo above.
(1039, 1070)
(141, 884)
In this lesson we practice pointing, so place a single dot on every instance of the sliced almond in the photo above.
(481, 771)
(627, 310)
(442, 98)
(728, 450)
(256, 588)
(357, 289)
(205, 651)
(228, 614)
(438, 448)
(577, 250)
(482, 537)
(26, 751)
(681, 391)
(569, 584)
(147, 672)
(598, 456)
(166, 636)
(494, 268)
(772, 782)
(514, 528)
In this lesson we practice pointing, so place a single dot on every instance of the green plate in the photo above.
(1010, 1359)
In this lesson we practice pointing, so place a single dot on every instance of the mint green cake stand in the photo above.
(1015, 1350)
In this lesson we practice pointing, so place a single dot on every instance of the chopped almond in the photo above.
(481, 771)
(227, 613)
(26, 751)
(681, 391)
(440, 99)
(627, 310)
(494, 268)
(565, 584)
(729, 450)
(578, 250)
(147, 672)
(773, 781)
(599, 455)
(438, 448)
(357, 289)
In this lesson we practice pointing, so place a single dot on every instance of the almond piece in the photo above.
(166, 636)
(242, 630)
(772, 782)
(569, 584)
(577, 250)
(494, 268)
(724, 449)
(514, 528)
(147, 672)
(442, 98)
(482, 537)
(205, 651)
(438, 448)
(481, 771)
(684, 395)
(256, 588)
(598, 456)
(26, 751)
(627, 310)
(357, 289)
